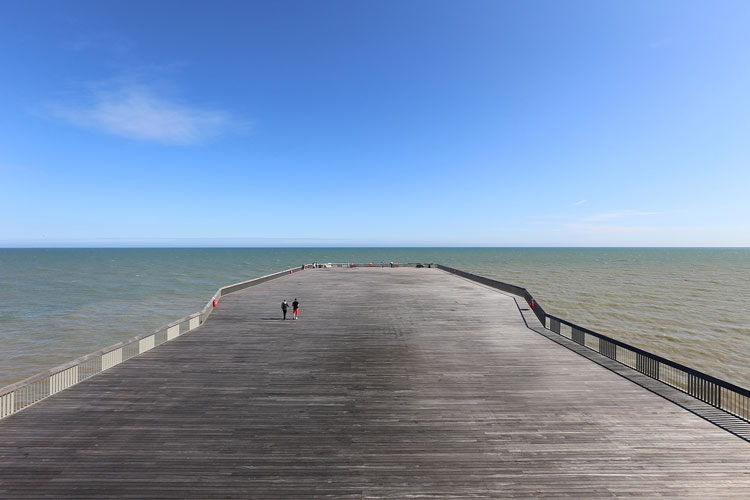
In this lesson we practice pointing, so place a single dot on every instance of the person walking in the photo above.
(295, 309)
(284, 308)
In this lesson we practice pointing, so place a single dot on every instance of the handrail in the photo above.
(370, 264)
(505, 287)
(718, 393)
(19, 395)
(24, 393)
(655, 357)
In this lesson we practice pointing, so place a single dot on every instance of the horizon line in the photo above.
(274, 247)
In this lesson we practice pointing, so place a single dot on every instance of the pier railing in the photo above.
(17, 396)
(714, 391)
(505, 287)
(718, 393)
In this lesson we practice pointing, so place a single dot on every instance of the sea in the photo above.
(691, 305)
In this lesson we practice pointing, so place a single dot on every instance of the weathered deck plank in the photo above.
(394, 383)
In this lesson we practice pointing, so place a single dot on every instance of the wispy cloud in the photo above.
(618, 215)
(15, 169)
(609, 229)
(661, 43)
(580, 202)
(731, 235)
(136, 111)
(111, 43)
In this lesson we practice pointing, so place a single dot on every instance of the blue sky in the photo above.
(481, 123)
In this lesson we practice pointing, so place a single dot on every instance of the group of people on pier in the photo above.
(295, 308)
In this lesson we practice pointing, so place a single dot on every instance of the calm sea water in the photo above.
(689, 305)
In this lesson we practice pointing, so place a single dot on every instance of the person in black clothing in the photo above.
(295, 309)
(284, 308)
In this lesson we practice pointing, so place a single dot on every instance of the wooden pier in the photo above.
(394, 383)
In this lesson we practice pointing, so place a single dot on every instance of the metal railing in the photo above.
(718, 393)
(322, 265)
(711, 390)
(723, 395)
(505, 287)
(17, 396)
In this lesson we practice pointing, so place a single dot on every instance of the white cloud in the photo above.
(581, 202)
(136, 112)
(618, 215)
(15, 169)
(609, 229)
(737, 235)
(661, 43)
(111, 43)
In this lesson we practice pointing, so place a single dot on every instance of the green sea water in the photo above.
(689, 305)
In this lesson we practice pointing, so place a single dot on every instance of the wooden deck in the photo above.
(394, 383)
